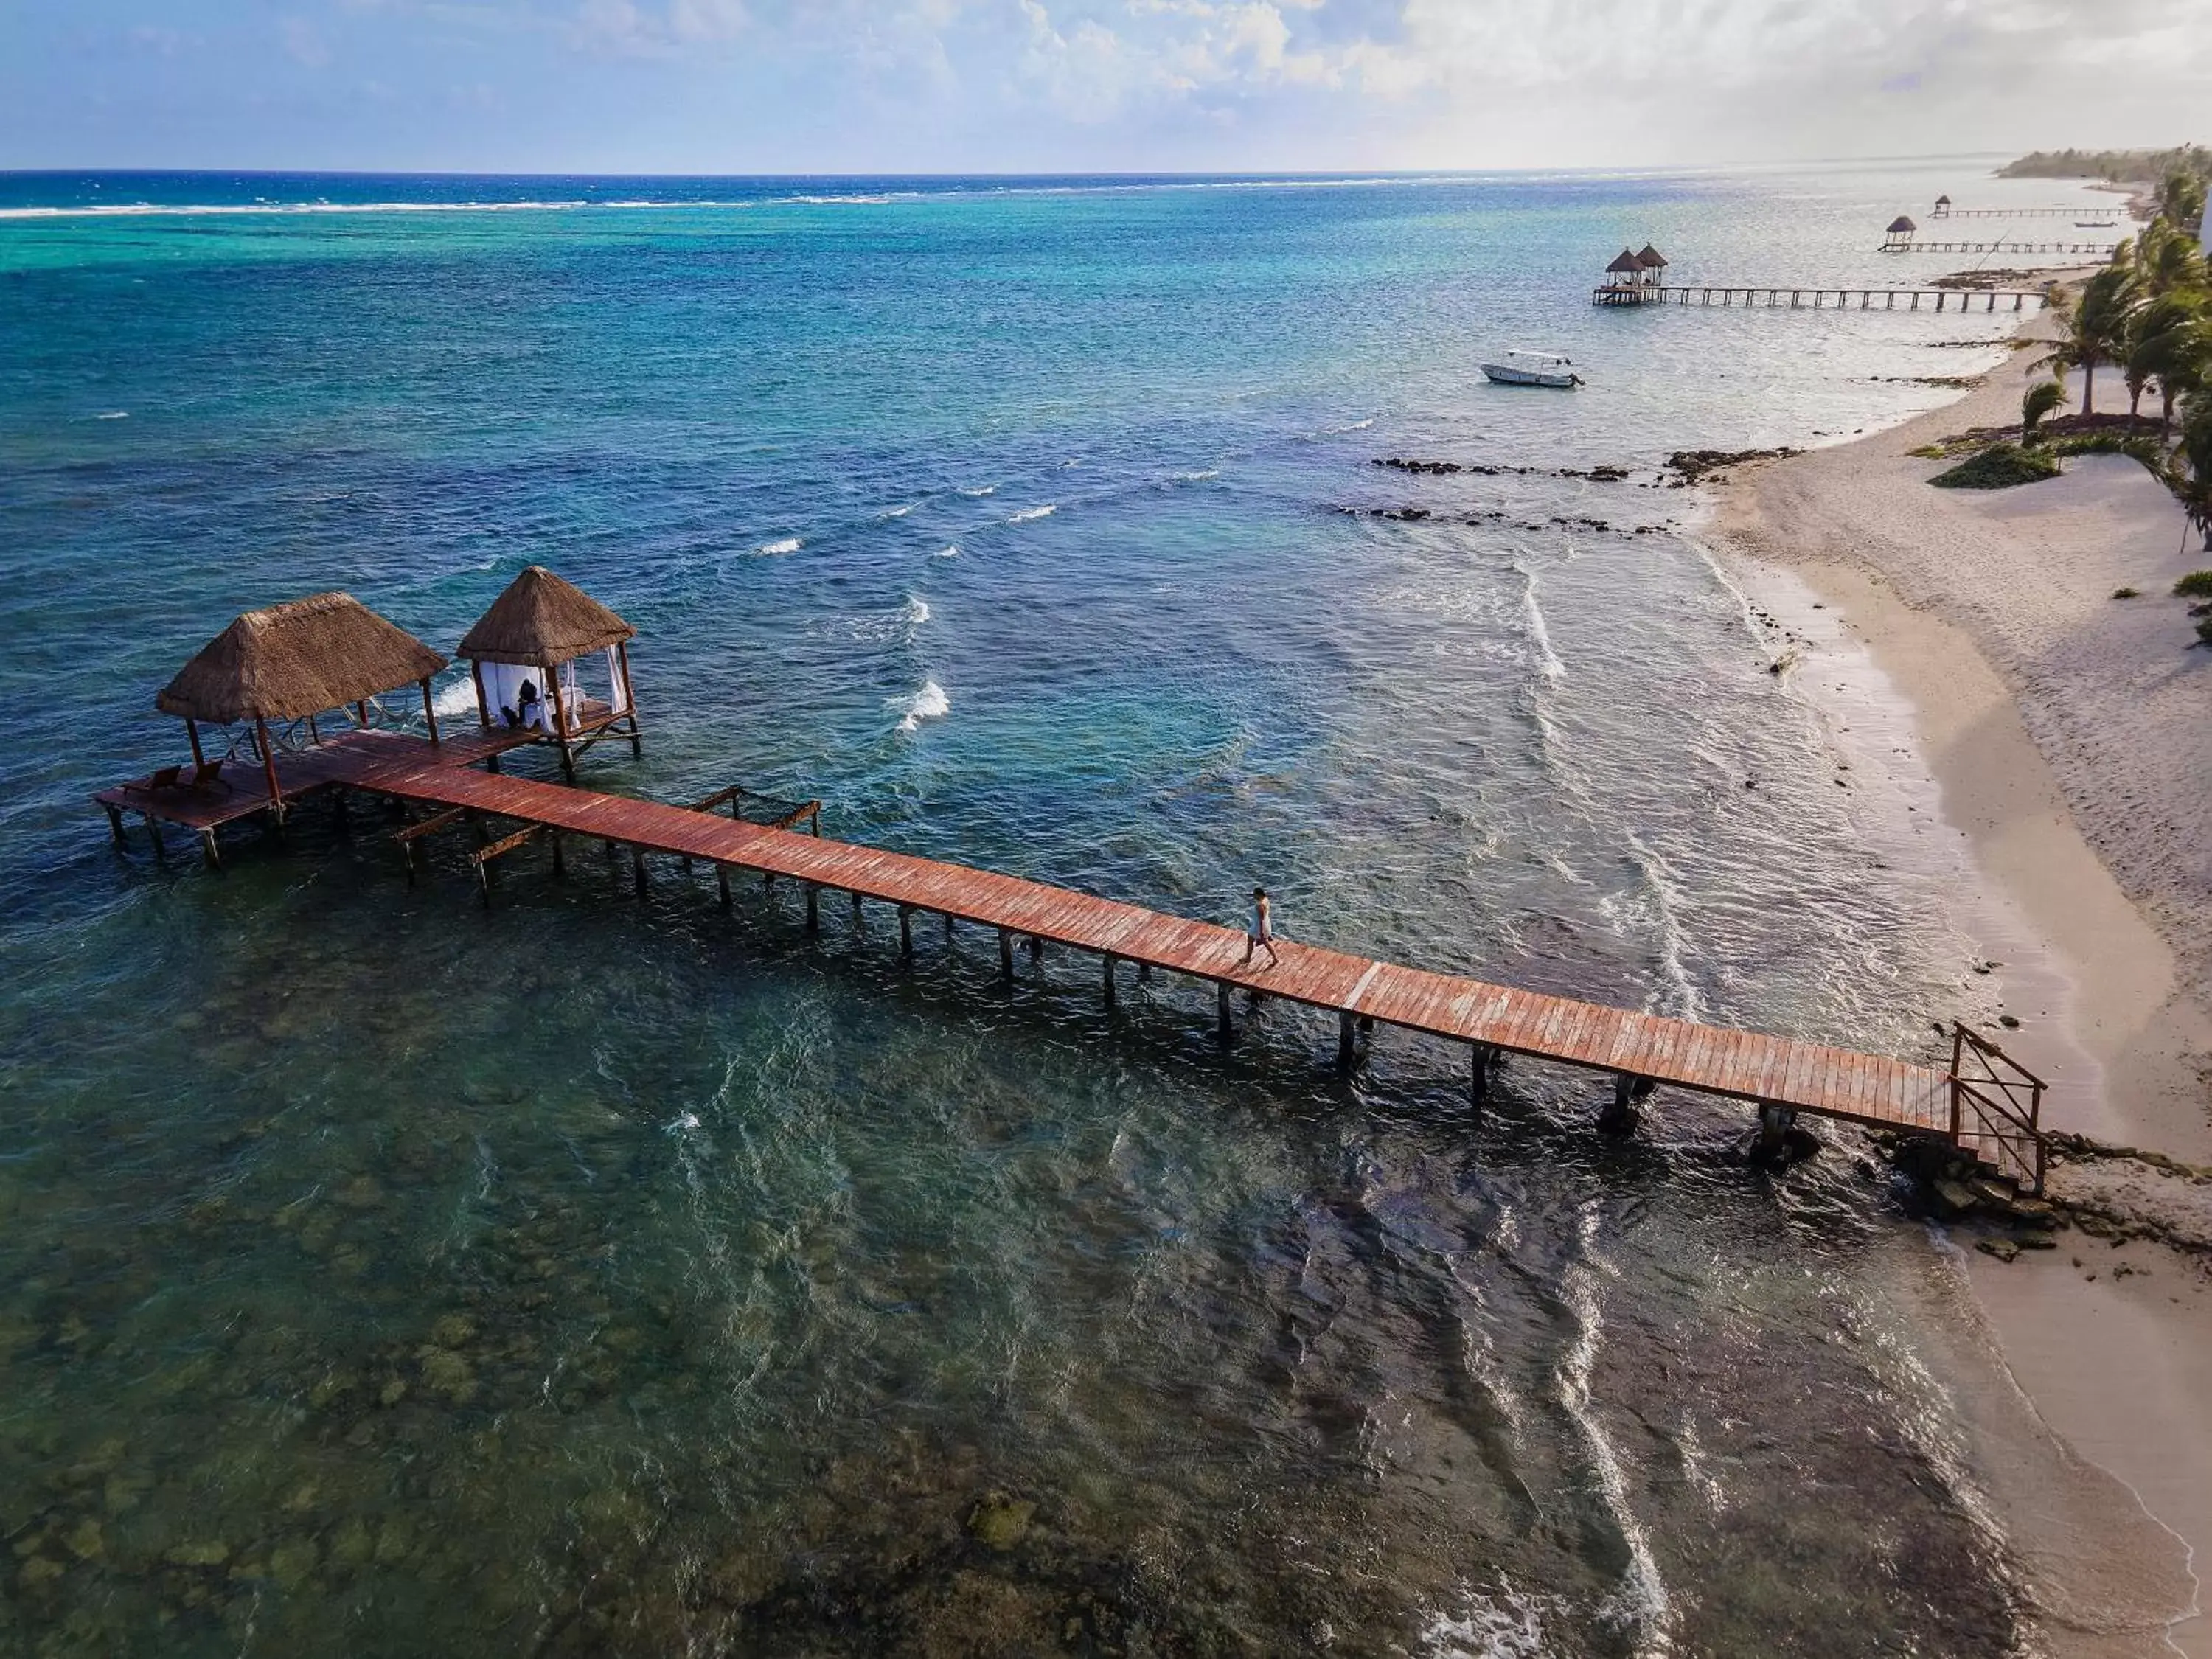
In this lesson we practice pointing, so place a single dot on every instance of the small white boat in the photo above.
(1533, 368)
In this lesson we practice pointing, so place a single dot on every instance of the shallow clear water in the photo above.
(381, 1276)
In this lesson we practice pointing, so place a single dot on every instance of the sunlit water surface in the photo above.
(378, 1276)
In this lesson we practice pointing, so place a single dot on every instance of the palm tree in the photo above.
(2095, 327)
(2041, 399)
(2169, 340)
(2181, 199)
(2166, 259)
(2196, 488)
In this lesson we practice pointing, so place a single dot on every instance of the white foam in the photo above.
(917, 612)
(775, 549)
(987, 490)
(455, 698)
(952, 552)
(1639, 1603)
(899, 511)
(1540, 636)
(114, 415)
(1503, 1626)
(1197, 478)
(1029, 513)
(927, 704)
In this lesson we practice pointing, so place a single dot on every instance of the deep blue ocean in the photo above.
(381, 1276)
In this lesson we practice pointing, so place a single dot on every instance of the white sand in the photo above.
(2069, 735)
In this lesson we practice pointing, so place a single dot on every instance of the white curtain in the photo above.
(572, 701)
(619, 698)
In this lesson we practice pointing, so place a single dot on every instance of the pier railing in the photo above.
(1997, 1108)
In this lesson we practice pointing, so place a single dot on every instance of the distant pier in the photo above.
(1911, 244)
(1944, 210)
(1819, 299)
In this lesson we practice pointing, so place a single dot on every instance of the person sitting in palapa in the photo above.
(529, 710)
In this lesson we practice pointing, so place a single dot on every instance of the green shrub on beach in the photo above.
(2196, 584)
(1999, 467)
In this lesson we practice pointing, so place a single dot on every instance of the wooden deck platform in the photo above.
(1639, 1050)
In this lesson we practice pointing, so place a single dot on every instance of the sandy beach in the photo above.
(2064, 731)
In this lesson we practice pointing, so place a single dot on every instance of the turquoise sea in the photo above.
(381, 1276)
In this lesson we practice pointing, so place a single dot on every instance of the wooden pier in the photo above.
(1983, 1104)
(1945, 210)
(1913, 245)
(1818, 299)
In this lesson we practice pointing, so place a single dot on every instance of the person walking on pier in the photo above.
(1262, 936)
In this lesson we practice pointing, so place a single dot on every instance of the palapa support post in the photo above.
(192, 736)
(722, 882)
(1346, 1046)
(1776, 1121)
(1107, 977)
(429, 711)
(483, 703)
(814, 907)
(1144, 973)
(552, 692)
(629, 700)
(560, 865)
(1037, 949)
(115, 824)
(906, 932)
(637, 869)
(153, 833)
(269, 769)
(484, 881)
(857, 920)
(210, 854)
(948, 927)
(1006, 954)
(1223, 1027)
(1485, 1061)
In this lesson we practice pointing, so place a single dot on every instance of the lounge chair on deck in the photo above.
(207, 777)
(165, 777)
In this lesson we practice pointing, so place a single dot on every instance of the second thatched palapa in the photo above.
(523, 651)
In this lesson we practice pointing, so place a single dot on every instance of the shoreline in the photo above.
(2058, 730)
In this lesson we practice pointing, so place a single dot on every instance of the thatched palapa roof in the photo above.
(295, 659)
(1625, 266)
(542, 621)
(1901, 226)
(1650, 258)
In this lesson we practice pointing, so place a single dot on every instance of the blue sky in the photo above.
(752, 85)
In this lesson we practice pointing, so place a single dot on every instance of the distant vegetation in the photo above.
(2121, 167)
(1999, 467)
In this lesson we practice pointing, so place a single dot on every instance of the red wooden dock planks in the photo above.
(1811, 1077)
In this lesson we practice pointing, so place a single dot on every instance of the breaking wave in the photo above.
(927, 704)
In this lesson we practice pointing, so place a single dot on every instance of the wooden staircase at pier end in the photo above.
(1984, 1105)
